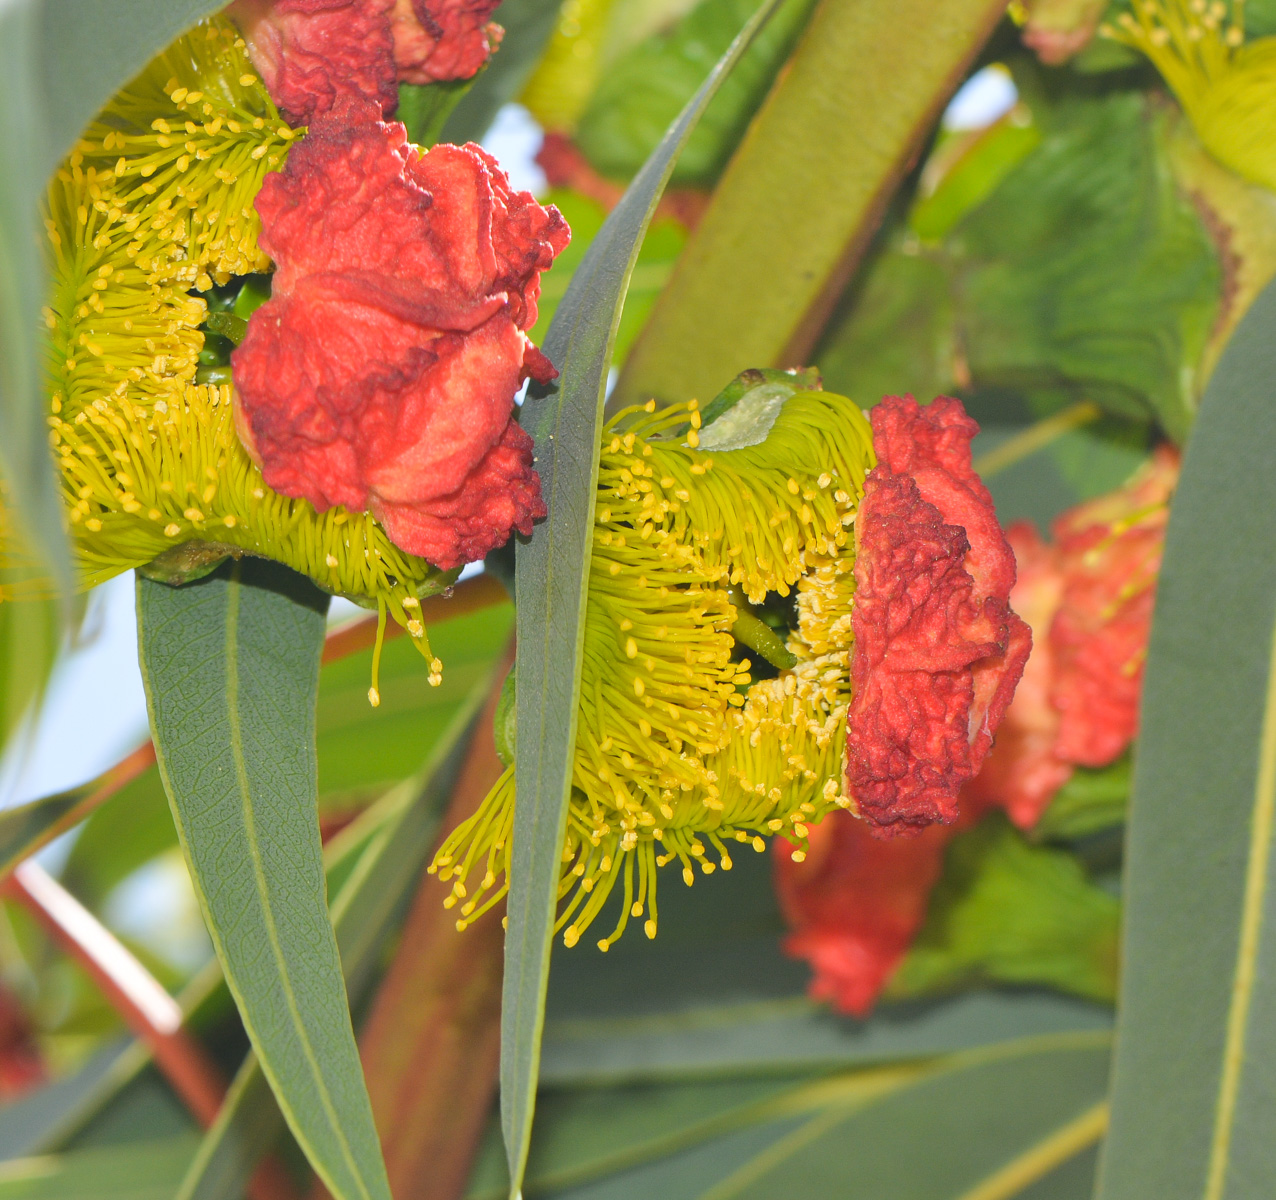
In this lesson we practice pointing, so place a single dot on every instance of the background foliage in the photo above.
(1061, 269)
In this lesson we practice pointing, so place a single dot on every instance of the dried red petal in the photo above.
(309, 52)
(1110, 553)
(381, 373)
(855, 904)
(938, 651)
(1023, 771)
(437, 40)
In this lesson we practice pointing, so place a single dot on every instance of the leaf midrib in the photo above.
(259, 881)
(1256, 880)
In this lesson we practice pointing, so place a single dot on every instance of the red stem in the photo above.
(153, 1015)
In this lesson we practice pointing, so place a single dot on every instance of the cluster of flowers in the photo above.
(857, 902)
(901, 659)
(368, 438)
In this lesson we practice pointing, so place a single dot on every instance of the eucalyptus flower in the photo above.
(700, 725)
(155, 240)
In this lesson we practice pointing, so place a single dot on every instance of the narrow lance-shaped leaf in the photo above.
(231, 668)
(551, 575)
(1193, 1105)
(388, 858)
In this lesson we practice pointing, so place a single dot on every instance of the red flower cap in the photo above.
(855, 904)
(381, 373)
(310, 52)
(1024, 771)
(436, 40)
(938, 651)
(1110, 553)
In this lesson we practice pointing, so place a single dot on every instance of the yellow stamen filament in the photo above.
(677, 741)
(157, 199)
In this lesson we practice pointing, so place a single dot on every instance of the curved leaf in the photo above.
(982, 1128)
(231, 668)
(1193, 1104)
(380, 856)
(551, 577)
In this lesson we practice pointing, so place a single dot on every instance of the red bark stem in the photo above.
(146, 1007)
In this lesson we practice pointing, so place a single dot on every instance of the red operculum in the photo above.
(382, 372)
(938, 651)
(312, 52)
(442, 39)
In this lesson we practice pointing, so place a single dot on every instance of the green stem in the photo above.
(759, 637)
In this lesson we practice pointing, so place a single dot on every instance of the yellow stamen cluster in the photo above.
(154, 204)
(681, 749)
(1227, 86)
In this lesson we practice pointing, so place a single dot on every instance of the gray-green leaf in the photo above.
(231, 667)
(1193, 1102)
(552, 570)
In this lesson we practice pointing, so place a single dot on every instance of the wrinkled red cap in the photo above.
(437, 40)
(1023, 771)
(938, 651)
(855, 904)
(381, 373)
(310, 52)
(1110, 553)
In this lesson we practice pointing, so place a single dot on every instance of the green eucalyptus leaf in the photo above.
(804, 192)
(362, 750)
(134, 1170)
(26, 827)
(714, 996)
(1193, 1105)
(231, 668)
(379, 860)
(552, 573)
(1005, 911)
(1010, 1112)
(1020, 1114)
(584, 1134)
(661, 245)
